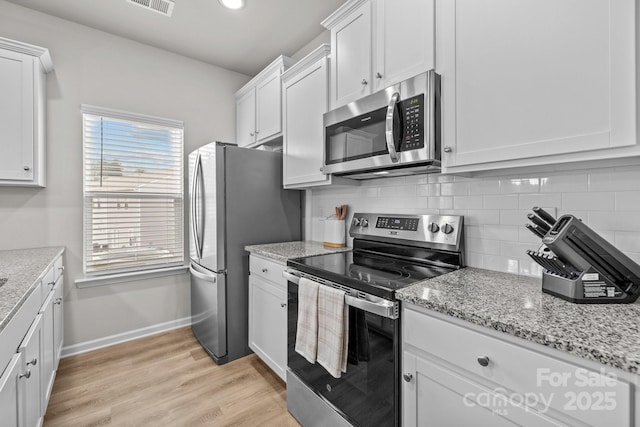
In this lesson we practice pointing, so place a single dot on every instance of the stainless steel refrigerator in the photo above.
(236, 199)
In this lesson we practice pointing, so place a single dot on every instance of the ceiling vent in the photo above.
(164, 7)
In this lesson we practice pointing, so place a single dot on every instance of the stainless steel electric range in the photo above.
(390, 252)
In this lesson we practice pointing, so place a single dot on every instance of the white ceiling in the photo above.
(244, 41)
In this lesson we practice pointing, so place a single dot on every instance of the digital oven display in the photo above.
(410, 224)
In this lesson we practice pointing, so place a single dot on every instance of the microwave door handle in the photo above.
(391, 144)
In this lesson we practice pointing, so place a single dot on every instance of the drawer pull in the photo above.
(407, 377)
(264, 270)
(33, 362)
(26, 375)
(483, 361)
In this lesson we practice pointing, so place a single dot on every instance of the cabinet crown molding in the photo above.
(320, 52)
(29, 49)
(344, 10)
(280, 63)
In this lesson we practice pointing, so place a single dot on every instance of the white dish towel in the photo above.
(333, 330)
(307, 332)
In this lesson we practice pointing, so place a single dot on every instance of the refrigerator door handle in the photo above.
(202, 276)
(194, 217)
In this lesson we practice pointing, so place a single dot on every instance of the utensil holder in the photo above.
(334, 233)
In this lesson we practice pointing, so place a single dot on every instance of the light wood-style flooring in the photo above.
(165, 380)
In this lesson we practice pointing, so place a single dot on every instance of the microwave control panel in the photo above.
(412, 119)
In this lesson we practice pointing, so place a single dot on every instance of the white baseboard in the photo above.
(96, 344)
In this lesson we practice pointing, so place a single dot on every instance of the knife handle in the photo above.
(544, 215)
(543, 226)
(534, 230)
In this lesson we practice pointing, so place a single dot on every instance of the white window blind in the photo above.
(133, 192)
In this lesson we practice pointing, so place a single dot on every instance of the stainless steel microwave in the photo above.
(393, 132)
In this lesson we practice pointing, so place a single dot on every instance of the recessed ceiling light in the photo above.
(232, 4)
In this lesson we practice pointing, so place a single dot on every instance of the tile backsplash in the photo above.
(495, 208)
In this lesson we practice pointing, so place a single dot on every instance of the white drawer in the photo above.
(268, 269)
(48, 282)
(583, 394)
(58, 267)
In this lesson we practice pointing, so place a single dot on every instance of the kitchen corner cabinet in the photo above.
(30, 347)
(268, 313)
(23, 70)
(377, 43)
(259, 105)
(457, 373)
(530, 83)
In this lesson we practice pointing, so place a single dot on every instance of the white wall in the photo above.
(324, 37)
(93, 67)
(495, 208)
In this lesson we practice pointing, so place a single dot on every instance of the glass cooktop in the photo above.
(377, 275)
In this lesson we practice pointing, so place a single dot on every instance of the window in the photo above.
(133, 192)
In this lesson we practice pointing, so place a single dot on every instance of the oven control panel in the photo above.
(442, 231)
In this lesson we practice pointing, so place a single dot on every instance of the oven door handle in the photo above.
(291, 277)
(381, 307)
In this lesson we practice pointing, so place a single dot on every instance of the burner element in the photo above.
(375, 276)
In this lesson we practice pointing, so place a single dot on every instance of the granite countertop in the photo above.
(606, 333)
(22, 268)
(288, 250)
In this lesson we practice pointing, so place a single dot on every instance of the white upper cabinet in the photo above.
(351, 54)
(377, 43)
(404, 40)
(246, 118)
(22, 113)
(259, 106)
(535, 81)
(305, 89)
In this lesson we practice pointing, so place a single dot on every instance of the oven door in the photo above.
(367, 394)
(391, 128)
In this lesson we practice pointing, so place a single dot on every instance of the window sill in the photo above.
(112, 279)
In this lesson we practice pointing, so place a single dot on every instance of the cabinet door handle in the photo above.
(26, 375)
(448, 149)
(251, 134)
(264, 270)
(364, 82)
(58, 301)
(61, 268)
(407, 377)
(27, 168)
(283, 304)
(483, 361)
(33, 361)
(378, 76)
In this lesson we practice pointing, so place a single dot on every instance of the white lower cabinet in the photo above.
(34, 335)
(456, 373)
(31, 412)
(47, 348)
(9, 391)
(268, 313)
